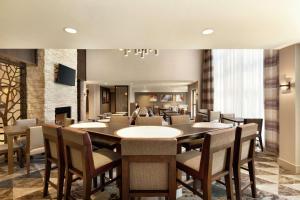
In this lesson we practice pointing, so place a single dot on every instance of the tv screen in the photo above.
(65, 75)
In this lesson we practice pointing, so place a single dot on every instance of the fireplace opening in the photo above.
(61, 114)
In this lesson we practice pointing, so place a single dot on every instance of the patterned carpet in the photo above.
(272, 183)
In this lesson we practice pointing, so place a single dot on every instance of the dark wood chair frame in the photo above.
(205, 172)
(88, 173)
(59, 162)
(238, 163)
(169, 159)
(259, 123)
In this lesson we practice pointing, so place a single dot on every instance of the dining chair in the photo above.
(54, 155)
(244, 152)
(148, 168)
(200, 118)
(149, 121)
(227, 115)
(213, 163)
(180, 119)
(259, 123)
(119, 120)
(214, 116)
(81, 161)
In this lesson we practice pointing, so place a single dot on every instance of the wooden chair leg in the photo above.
(68, 184)
(20, 158)
(252, 177)
(110, 172)
(228, 183)
(102, 181)
(206, 190)
(87, 184)
(95, 182)
(261, 142)
(237, 183)
(60, 182)
(46, 178)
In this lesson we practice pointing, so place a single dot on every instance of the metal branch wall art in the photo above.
(11, 92)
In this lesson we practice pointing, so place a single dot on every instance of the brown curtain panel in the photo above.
(271, 95)
(207, 90)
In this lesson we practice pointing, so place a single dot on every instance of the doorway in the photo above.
(193, 103)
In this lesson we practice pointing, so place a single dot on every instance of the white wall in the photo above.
(170, 65)
(289, 110)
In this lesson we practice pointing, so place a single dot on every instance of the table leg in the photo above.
(10, 158)
(27, 152)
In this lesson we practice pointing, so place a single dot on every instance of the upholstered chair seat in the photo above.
(36, 140)
(103, 157)
(191, 159)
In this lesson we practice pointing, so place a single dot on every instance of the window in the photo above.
(238, 82)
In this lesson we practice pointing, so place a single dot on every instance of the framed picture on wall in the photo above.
(179, 98)
(153, 98)
(166, 97)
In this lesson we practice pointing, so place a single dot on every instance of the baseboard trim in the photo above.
(289, 166)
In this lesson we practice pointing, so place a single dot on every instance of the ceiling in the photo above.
(162, 24)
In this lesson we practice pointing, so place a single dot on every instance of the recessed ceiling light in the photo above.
(207, 31)
(70, 30)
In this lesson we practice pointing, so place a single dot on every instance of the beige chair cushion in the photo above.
(37, 151)
(149, 121)
(103, 157)
(180, 119)
(36, 137)
(191, 159)
(26, 122)
(149, 146)
(247, 130)
(119, 120)
(148, 176)
(229, 115)
(53, 149)
(218, 139)
(214, 116)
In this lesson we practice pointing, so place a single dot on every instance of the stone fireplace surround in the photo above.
(43, 94)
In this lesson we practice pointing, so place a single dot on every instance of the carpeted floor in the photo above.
(272, 183)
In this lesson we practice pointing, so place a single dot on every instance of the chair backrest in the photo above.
(214, 116)
(180, 119)
(227, 115)
(218, 150)
(36, 137)
(150, 164)
(244, 147)
(149, 121)
(258, 121)
(53, 142)
(204, 111)
(26, 122)
(200, 118)
(78, 151)
(119, 120)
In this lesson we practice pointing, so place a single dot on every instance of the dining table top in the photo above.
(188, 131)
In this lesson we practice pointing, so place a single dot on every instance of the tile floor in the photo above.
(273, 182)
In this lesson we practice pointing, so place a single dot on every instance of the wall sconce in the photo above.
(287, 84)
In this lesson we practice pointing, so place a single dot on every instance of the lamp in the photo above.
(287, 84)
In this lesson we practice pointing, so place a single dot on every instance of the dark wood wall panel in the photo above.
(81, 64)
(28, 56)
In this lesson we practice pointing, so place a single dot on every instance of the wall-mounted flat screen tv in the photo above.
(65, 75)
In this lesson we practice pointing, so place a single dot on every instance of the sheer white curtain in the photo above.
(238, 82)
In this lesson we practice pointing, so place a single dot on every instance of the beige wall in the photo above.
(289, 108)
(170, 65)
